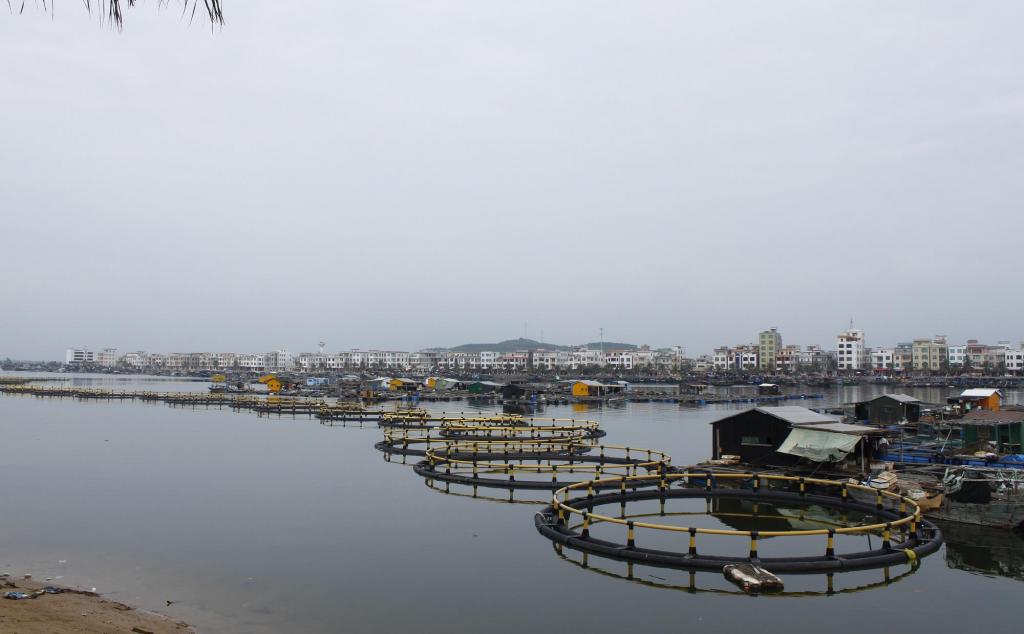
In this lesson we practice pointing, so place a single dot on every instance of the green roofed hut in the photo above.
(485, 387)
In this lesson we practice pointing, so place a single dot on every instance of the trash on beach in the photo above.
(53, 590)
(16, 596)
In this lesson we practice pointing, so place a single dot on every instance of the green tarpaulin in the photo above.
(819, 446)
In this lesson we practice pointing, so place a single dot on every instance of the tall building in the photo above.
(850, 352)
(769, 344)
(107, 358)
(79, 355)
(930, 355)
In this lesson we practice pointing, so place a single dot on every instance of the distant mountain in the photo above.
(511, 345)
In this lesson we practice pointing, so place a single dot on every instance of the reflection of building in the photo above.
(983, 550)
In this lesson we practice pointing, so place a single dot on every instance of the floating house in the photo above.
(403, 385)
(978, 398)
(484, 387)
(587, 388)
(785, 436)
(441, 384)
(1004, 428)
(769, 389)
(658, 389)
(889, 409)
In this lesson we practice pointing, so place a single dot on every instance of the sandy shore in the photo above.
(74, 612)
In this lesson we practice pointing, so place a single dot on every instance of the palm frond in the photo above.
(113, 10)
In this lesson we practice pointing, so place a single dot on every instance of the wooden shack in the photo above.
(978, 398)
(1004, 428)
(889, 409)
(785, 436)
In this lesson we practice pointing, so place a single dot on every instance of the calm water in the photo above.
(278, 524)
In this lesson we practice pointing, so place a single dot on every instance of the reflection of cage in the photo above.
(691, 586)
(917, 538)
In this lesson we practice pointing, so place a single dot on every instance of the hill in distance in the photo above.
(511, 345)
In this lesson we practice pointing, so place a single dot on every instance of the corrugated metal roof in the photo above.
(796, 415)
(903, 398)
(792, 414)
(845, 428)
(980, 392)
(987, 417)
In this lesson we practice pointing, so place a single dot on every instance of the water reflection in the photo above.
(984, 551)
(693, 582)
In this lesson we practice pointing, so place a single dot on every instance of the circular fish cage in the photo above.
(422, 419)
(905, 536)
(522, 465)
(416, 441)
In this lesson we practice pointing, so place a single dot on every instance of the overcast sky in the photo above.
(412, 173)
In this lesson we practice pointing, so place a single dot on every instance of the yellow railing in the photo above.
(911, 513)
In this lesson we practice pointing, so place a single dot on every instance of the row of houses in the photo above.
(671, 359)
(922, 355)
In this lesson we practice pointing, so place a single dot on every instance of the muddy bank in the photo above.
(74, 612)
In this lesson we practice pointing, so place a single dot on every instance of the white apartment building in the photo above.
(134, 360)
(882, 358)
(550, 359)
(489, 359)
(850, 351)
(107, 357)
(957, 355)
(251, 362)
(516, 361)
(79, 355)
(1015, 359)
(736, 358)
(226, 360)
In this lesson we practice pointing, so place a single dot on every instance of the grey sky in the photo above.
(403, 174)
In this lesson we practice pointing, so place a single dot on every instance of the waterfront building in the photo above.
(787, 359)
(741, 357)
(957, 355)
(1014, 359)
(882, 359)
(549, 359)
(515, 361)
(79, 355)
(851, 354)
(134, 360)
(814, 358)
(930, 355)
(903, 357)
(769, 344)
(107, 357)
(251, 362)
(703, 363)
(226, 360)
